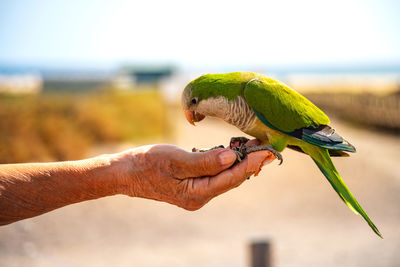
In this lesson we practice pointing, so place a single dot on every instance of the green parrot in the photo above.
(276, 115)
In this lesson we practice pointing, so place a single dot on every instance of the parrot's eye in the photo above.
(194, 100)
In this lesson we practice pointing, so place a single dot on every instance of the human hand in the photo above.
(186, 179)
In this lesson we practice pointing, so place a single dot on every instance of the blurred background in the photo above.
(80, 78)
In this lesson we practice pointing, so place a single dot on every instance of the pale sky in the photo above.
(51, 32)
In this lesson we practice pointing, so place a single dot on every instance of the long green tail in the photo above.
(322, 159)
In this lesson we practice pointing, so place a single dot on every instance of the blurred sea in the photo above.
(279, 70)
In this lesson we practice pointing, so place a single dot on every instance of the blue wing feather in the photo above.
(322, 136)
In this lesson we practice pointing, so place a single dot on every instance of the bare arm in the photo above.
(28, 190)
(161, 172)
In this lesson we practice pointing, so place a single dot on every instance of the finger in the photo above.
(228, 179)
(259, 159)
(208, 163)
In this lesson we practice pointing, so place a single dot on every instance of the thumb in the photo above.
(211, 162)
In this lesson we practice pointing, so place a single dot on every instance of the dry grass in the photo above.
(64, 126)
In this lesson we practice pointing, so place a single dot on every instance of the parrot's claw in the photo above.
(269, 148)
(238, 141)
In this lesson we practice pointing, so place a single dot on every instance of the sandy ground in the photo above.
(291, 205)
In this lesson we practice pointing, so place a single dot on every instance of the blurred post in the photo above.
(260, 252)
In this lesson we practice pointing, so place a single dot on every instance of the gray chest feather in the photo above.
(236, 112)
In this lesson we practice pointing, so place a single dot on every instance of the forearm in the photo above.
(28, 190)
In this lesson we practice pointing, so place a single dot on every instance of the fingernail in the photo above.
(267, 161)
(227, 157)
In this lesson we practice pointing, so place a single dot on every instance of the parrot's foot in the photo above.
(240, 151)
(238, 141)
(238, 145)
(243, 150)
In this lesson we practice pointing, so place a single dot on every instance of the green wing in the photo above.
(283, 108)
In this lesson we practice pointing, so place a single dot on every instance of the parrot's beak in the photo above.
(193, 116)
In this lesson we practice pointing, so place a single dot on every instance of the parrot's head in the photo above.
(209, 95)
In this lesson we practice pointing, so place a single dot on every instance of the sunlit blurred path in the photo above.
(292, 205)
